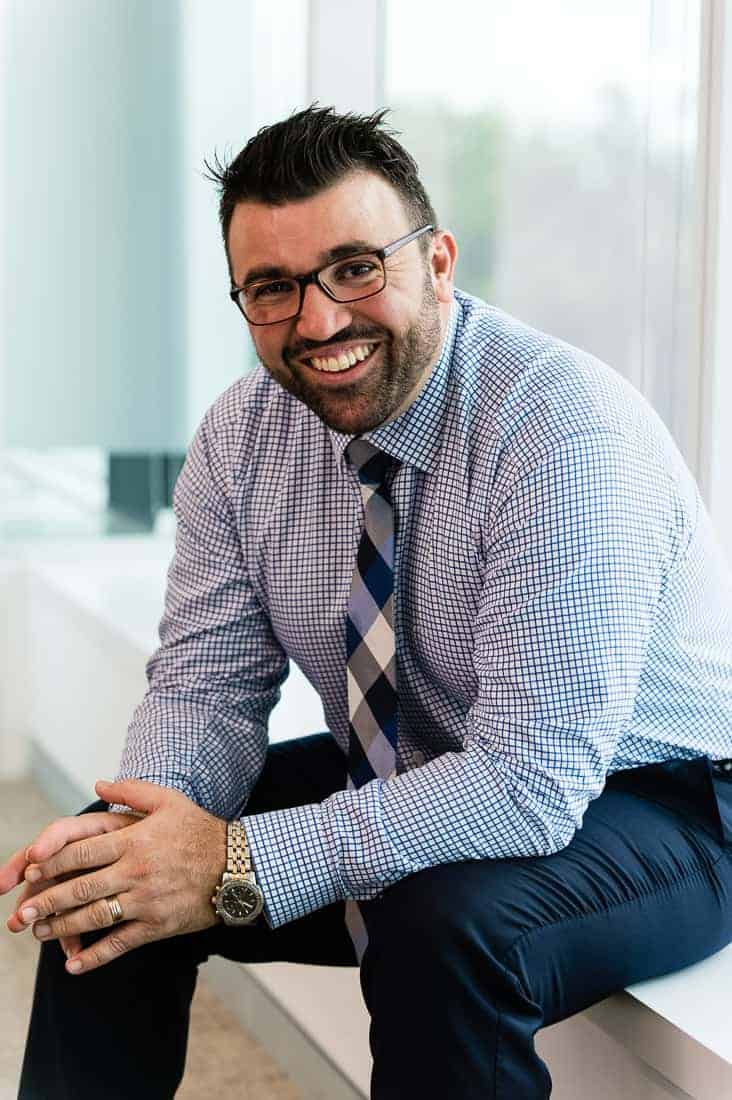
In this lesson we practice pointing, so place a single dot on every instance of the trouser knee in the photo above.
(440, 922)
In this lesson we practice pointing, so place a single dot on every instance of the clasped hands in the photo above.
(163, 866)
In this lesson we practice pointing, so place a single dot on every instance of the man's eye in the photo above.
(279, 289)
(356, 270)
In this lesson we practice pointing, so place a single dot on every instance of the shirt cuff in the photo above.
(293, 861)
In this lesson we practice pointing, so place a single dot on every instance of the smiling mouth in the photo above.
(337, 364)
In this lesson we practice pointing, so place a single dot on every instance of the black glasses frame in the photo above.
(304, 281)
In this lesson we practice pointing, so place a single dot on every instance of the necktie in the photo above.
(370, 648)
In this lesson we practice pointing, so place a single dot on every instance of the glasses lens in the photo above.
(267, 302)
(347, 280)
(355, 277)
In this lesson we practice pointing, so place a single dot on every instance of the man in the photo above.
(485, 552)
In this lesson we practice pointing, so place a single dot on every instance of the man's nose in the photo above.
(321, 317)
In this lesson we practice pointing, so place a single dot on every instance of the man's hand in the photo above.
(163, 868)
(50, 841)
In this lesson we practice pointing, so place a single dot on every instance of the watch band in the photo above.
(238, 856)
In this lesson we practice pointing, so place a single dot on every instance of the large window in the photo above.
(116, 329)
(558, 140)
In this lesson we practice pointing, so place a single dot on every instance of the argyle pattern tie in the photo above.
(370, 647)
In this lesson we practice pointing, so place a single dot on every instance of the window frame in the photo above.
(714, 454)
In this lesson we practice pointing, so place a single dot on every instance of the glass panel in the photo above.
(116, 329)
(558, 141)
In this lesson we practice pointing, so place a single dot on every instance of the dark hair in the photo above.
(311, 150)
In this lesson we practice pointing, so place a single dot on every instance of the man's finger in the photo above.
(14, 923)
(69, 865)
(11, 872)
(68, 829)
(70, 945)
(63, 831)
(129, 936)
(71, 855)
(138, 794)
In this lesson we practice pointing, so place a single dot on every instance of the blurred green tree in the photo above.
(460, 156)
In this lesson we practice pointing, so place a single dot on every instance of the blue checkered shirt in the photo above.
(562, 611)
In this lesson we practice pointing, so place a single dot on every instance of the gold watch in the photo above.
(238, 899)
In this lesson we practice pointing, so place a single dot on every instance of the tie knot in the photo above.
(371, 464)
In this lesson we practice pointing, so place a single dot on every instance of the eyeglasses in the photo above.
(268, 301)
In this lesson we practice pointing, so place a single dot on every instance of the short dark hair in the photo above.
(311, 150)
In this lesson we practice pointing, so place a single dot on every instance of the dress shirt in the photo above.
(562, 611)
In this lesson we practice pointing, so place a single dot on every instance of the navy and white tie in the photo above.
(371, 655)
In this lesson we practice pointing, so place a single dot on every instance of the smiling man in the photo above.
(377, 345)
(487, 555)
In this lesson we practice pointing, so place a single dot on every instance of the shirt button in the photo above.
(417, 758)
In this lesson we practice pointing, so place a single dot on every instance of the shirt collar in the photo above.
(414, 436)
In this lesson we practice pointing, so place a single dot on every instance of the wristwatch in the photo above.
(238, 899)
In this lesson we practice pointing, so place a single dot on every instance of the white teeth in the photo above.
(345, 360)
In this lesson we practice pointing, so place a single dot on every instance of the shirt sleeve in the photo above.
(201, 727)
(577, 549)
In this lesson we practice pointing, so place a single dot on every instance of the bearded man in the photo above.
(488, 557)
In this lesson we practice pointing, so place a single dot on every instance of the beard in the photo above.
(374, 398)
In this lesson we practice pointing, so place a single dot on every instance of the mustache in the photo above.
(309, 347)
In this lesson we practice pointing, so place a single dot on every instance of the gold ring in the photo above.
(115, 909)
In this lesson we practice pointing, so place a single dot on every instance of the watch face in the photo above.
(240, 902)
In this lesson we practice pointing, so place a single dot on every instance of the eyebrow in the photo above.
(339, 252)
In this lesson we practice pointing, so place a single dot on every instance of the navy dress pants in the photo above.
(465, 960)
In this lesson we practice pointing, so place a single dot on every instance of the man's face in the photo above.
(401, 327)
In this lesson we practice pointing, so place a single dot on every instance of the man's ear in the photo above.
(442, 262)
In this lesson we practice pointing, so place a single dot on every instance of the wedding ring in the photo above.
(115, 909)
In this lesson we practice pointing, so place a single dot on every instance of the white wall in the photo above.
(15, 686)
(116, 328)
(90, 149)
